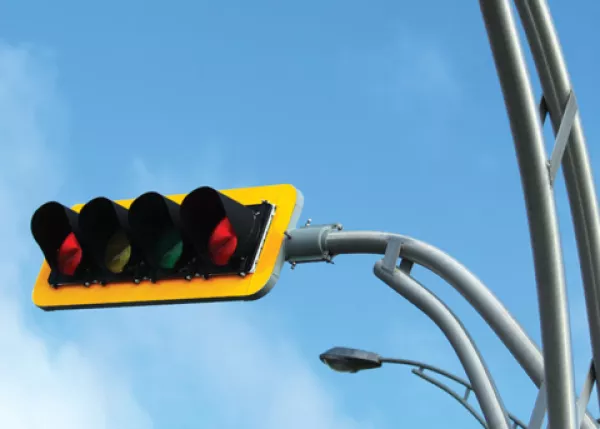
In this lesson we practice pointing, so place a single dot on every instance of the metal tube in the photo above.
(483, 386)
(516, 421)
(506, 327)
(556, 85)
(457, 275)
(421, 366)
(452, 393)
(541, 211)
(539, 410)
(586, 390)
(428, 367)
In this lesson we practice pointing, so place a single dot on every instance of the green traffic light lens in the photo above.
(169, 249)
(118, 252)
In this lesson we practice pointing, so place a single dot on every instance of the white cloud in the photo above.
(422, 67)
(221, 353)
(209, 168)
(57, 389)
(412, 70)
(41, 386)
(212, 350)
(232, 357)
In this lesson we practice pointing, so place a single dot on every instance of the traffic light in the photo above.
(204, 246)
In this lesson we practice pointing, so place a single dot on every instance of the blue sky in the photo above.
(386, 115)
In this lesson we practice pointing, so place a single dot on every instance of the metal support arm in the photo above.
(462, 401)
(466, 283)
(541, 210)
(558, 91)
(516, 423)
(473, 364)
(419, 370)
(506, 327)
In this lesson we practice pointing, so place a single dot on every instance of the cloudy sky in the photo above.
(387, 115)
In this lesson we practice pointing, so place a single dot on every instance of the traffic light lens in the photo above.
(222, 243)
(118, 252)
(169, 249)
(69, 255)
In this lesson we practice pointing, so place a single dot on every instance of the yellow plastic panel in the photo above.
(287, 201)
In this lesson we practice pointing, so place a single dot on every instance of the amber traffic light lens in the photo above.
(118, 252)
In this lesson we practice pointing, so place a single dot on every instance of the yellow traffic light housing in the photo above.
(207, 245)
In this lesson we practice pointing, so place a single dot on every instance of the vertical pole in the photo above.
(556, 85)
(541, 211)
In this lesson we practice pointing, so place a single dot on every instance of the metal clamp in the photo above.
(586, 391)
(392, 253)
(539, 409)
(307, 244)
(562, 136)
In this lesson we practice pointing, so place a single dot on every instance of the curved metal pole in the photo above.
(510, 332)
(463, 402)
(541, 211)
(579, 180)
(452, 393)
(321, 242)
(428, 367)
(483, 386)
(424, 366)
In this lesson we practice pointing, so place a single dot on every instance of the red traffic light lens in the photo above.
(222, 243)
(69, 255)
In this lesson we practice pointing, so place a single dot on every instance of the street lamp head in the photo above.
(343, 359)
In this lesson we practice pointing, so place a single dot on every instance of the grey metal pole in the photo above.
(516, 423)
(423, 365)
(432, 306)
(556, 85)
(541, 211)
(454, 395)
(316, 243)
(502, 322)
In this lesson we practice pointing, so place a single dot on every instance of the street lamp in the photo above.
(344, 359)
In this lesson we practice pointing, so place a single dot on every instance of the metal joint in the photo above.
(543, 107)
(392, 253)
(539, 409)
(308, 244)
(562, 136)
(586, 391)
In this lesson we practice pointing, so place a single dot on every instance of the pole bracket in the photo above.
(563, 134)
(586, 391)
(307, 244)
(543, 107)
(392, 253)
(539, 409)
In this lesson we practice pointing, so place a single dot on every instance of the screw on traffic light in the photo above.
(206, 245)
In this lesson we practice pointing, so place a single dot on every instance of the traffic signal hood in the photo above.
(205, 245)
